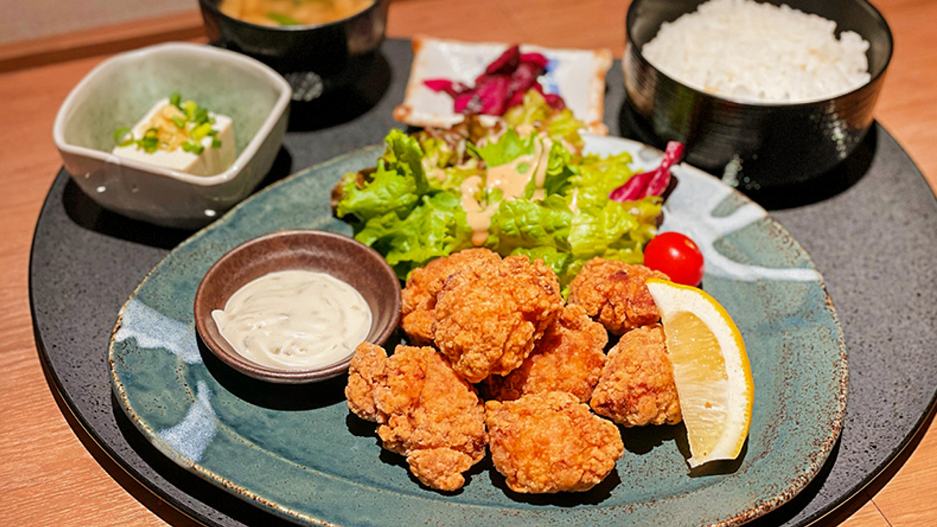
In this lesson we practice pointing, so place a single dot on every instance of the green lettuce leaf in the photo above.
(599, 176)
(560, 125)
(509, 147)
(395, 186)
(561, 174)
(596, 231)
(388, 192)
(435, 228)
(522, 223)
(554, 258)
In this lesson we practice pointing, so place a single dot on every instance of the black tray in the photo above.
(870, 226)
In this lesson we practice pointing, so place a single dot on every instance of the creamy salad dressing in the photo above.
(296, 319)
(511, 179)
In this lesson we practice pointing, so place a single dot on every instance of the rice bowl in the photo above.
(751, 144)
(777, 53)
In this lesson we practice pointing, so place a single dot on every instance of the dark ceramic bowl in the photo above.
(315, 59)
(752, 145)
(340, 256)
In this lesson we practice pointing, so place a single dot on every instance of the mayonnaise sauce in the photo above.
(294, 320)
(512, 179)
(478, 218)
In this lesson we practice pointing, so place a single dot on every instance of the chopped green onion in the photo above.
(189, 108)
(123, 137)
(195, 148)
(200, 131)
(197, 115)
(201, 116)
(283, 20)
(150, 141)
(522, 168)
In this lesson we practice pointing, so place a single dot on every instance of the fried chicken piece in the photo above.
(418, 298)
(423, 409)
(490, 316)
(614, 293)
(366, 373)
(569, 358)
(550, 442)
(637, 386)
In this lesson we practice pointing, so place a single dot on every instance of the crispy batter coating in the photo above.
(490, 316)
(366, 373)
(569, 358)
(424, 410)
(614, 293)
(637, 387)
(419, 296)
(550, 442)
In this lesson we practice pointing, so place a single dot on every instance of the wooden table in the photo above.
(49, 477)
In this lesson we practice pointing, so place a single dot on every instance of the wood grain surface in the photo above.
(48, 476)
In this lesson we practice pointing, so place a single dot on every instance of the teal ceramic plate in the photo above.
(297, 452)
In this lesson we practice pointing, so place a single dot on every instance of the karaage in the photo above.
(418, 298)
(637, 386)
(568, 358)
(424, 411)
(614, 294)
(489, 316)
(550, 442)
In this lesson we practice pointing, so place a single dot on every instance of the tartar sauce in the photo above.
(296, 319)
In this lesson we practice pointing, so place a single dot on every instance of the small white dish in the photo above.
(576, 75)
(120, 90)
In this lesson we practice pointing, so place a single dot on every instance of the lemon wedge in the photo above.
(710, 369)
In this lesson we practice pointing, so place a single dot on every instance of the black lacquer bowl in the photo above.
(753, 145)
(315, 59)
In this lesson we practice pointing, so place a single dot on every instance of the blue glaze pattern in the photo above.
(314, 463)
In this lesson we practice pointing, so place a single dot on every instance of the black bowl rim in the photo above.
(871, 9)
(265, 373)
(213, 7)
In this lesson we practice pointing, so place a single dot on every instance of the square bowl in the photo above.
(120, 91)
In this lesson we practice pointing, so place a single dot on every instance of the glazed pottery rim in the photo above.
(225, 352)
(76, 96)
(793, 486)
(293, 28)
(632, 16)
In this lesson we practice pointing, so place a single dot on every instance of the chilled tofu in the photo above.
(170, 152)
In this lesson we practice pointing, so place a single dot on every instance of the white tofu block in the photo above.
(210, 162)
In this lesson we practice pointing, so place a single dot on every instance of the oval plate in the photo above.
(298, 453)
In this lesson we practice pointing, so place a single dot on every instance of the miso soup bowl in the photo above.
(315, 59)
(752, 145)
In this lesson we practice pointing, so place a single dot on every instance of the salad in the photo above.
(520, 184)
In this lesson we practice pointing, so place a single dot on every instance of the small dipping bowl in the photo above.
(342, 257)
(752, 145)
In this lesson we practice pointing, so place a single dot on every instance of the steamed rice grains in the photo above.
(759, 52)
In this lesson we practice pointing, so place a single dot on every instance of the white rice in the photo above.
(759, 52)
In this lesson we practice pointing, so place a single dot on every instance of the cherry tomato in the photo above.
(676, 256)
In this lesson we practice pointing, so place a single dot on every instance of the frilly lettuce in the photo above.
(507, 148)
(437, 227)
(395, 186)
(409, 207)
(559, 125)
